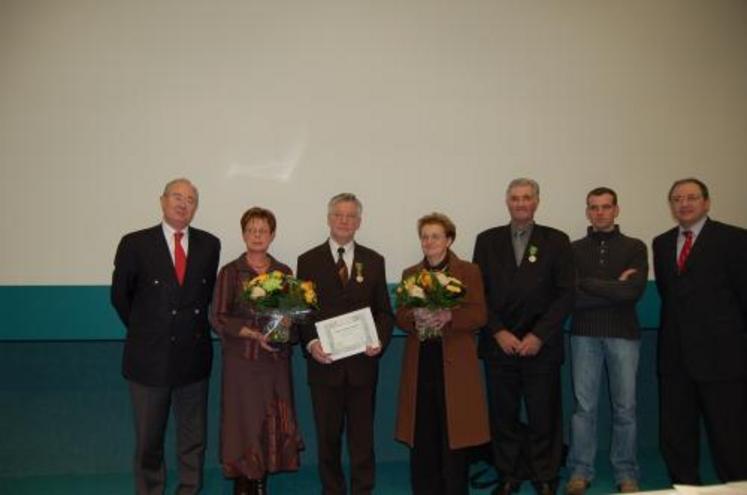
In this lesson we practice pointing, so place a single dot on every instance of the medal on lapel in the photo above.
(532, 253)
(359, 272)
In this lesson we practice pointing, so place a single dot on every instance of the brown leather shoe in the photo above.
(577, 486)
(628, 486)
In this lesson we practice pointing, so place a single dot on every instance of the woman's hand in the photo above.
(430, 318)
(261, 338)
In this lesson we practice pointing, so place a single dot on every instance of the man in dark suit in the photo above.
(348, 277)
(161, 287)
(701, 274)
(529, 283)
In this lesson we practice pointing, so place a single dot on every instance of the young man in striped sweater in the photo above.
(612, 270)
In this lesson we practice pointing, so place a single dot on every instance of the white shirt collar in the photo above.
(168, 233)
(694, 228)
(349, 252)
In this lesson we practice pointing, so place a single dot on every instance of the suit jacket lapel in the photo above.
(700, 244)
(535, 240)
(195, 248)
(670, 251)
(505, 246)
(162, 254)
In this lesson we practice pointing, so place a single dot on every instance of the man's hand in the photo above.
(507, 341)
(627, 274)
(530, 345)
(372, 351)
(316, 351)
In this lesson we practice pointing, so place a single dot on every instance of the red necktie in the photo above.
(180, 258)
(685, 251)
(342, 268)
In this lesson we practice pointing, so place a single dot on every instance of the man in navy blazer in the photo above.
(348, 277)
(161, 287)
(701, 274)
(529, 282)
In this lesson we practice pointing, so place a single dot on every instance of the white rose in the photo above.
(442, 278)
(416, 291)
(257, 292)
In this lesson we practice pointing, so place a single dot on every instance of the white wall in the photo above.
(414, 105)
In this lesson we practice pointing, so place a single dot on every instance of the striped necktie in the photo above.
(685, 251)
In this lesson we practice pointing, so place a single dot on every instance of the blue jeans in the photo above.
(588, 357)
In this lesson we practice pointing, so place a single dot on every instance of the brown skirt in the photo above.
(259, 433)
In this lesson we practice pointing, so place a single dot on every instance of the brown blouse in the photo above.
(230, 311)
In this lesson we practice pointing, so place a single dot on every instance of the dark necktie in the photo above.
(685, 251)
(342, 268)
(519, 246)
(180, 258)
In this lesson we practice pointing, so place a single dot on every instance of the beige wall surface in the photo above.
(415, 105)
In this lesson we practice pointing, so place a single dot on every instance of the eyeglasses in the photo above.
(432, 237)
(688, 198)
(260, 232)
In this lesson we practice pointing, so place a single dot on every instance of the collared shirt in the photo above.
(168, 233)
(347, 258)
(349, 253)
(520, 240)
(694, 228)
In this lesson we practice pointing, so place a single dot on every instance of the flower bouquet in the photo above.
(429, 291)
(280, 299)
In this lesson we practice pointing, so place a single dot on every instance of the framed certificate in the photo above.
(348, 334)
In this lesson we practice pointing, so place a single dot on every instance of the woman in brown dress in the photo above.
(259, 432)
(442, 409)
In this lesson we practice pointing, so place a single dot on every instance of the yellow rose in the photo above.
(426, 280)
(309, 297)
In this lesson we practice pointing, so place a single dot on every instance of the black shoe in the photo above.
(242, 486)
(506, 487)
(544, 487)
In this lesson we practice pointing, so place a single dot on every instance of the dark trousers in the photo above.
(352, 409)
(542, 438)
(151, 406)
(723, 407)
(435, 469)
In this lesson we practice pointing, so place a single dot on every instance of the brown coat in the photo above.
(466, 410)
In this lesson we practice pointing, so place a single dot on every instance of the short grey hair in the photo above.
(344, 197)
(181, 180)
(524, 181)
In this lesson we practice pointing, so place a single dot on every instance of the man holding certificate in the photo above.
(353, 326)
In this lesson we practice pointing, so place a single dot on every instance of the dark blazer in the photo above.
(704, 308)
(466, 410)
(318, 265)
(534, 297)
(168, 336)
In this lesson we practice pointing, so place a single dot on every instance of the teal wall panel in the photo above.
(58, 312)
(83, 312)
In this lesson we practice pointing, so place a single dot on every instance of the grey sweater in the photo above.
(605, 306)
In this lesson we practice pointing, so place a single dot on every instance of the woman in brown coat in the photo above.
(258, 430)
(442, 408)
